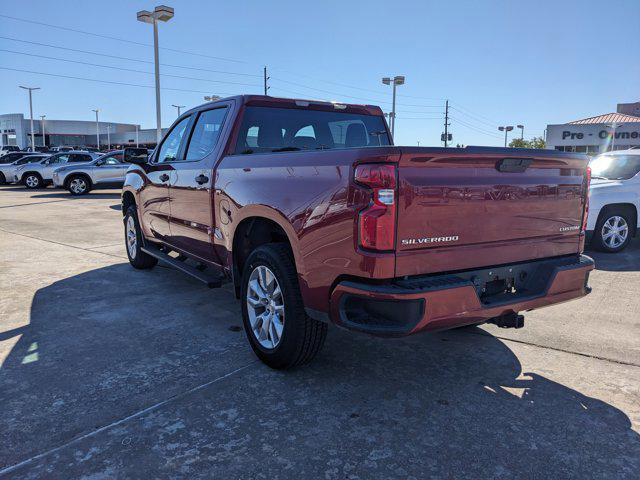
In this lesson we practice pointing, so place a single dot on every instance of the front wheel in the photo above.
(279, 331)
(613, 231)
(133, 242)
(33, 180)
(78, 185)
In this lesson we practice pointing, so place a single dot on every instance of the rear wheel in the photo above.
(3, 179)
(33, 180)
(133, 242)
(78, 185)
(279, 331)
(613, 230)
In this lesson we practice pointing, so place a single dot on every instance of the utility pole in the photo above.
(446, 124)
(44, 142)
(266, 87)
(97, 128)
(31, 89)
(161, 13)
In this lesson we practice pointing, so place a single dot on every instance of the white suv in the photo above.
(615, 199)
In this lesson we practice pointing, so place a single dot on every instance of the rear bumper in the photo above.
(439, 302)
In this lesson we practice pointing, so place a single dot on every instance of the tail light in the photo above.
(587, 183)
(377, 222)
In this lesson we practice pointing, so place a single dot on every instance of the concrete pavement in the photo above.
(110, 372)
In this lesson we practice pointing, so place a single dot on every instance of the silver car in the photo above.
(106, 171)
(8, 170)
(38, 175)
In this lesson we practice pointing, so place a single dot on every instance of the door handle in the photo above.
(200, 179)
(164, 177)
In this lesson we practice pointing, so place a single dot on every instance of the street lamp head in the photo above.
(145, 16)
(520, 126)
(163, 13)
(211, 98)
(501, 129)
(29, 88)
(386, 81)
(398, 79)
(509, 128)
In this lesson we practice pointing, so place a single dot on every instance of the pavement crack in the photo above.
(33, 203)
(62, 244)
(135, 415)
(547, 347)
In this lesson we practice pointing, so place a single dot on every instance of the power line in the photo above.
(110, 81)
(128, 69)
(350, 96)
(484, 132)
(476, 117)
(126, 58)
(109, 37)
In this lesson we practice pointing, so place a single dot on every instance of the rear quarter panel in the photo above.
(310, 195)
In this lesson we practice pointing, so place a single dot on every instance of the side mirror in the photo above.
(139, 156)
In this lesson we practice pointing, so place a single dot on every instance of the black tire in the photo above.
(302, 337)
(139, 259)
(606, 217)
(3, 179)
(78, 190)
(32, 181)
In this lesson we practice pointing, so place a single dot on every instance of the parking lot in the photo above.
(106, 371)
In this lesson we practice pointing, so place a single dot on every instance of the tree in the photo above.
(535, 142)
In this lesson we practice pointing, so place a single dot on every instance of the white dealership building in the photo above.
(618, 130)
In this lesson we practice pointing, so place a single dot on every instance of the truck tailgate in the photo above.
(473, 207)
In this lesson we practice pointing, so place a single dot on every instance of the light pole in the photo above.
(137, 143)
(31, 89)
(395, 81)
(506, 131)
(521, 127)
(97, 128)
(161, 13)
(178, 107)
(109, 136)
(211, 98)
(44, 142)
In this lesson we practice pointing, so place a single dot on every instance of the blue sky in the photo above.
(498, 62)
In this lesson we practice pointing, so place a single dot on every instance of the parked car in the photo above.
(13, 156)
(106, 171)
(38, 175)
(8, 149)
(61, 149)
(316, 218)
(615, 199)
(8, 170)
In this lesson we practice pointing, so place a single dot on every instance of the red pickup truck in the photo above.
(317, 218)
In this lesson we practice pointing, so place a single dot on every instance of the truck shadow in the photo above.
(111, 341)
(626, 261)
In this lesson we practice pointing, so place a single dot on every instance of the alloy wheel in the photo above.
(265, 306)
(132, 237)
(32, 181)
(78, 185)
(615, 231)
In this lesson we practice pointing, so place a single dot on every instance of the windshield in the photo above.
(266, 129)
(615, 167)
